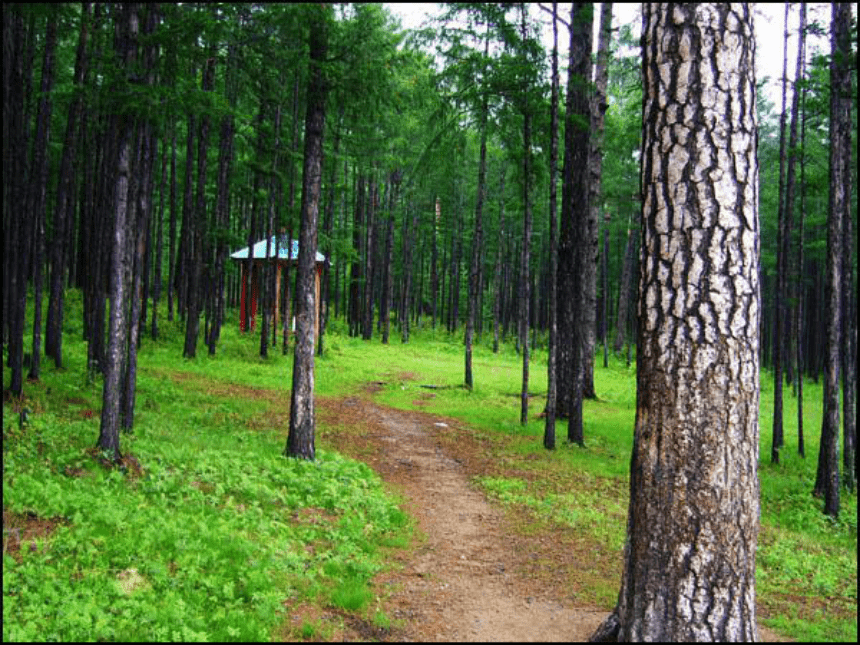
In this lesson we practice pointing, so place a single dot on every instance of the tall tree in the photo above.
(65, 202)
(198, 223)
(827, 480)
(123, 128)
(477, 239)
(573, 240)
(300, 440)
(39, 187)
(781, 270)
(527, 232)
(551, 379)
(689, 558)
(599, 105)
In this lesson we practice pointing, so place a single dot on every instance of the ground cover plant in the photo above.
(807, 562)
(207, 532)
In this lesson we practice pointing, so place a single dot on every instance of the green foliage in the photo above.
(213, 533)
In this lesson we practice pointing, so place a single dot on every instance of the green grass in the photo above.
(215, 534)
(219, 533)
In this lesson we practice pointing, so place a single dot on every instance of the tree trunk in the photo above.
(527, 233)
(222, 200)
(118, 328)
(388, 264)
(328, 225)
(595, 171)
(39, 188)
(573, 253)
(689, 559)
(356, 263)
(551, 379)
(369, 250)
(779, 293)
(65, 199)
(300, 441)
(198, 222)
(477, 240)
(827, 480)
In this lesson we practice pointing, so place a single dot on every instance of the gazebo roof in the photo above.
(276, 250)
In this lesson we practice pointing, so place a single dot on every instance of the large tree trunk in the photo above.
(573, 253)
(689, 559)
(827, 480)
(300, 441)
(123, 129)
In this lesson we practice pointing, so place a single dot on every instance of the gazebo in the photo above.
(280, 257)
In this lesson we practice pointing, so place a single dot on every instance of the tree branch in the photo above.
(559, 18)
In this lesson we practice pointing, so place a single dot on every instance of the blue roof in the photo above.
(276, 250)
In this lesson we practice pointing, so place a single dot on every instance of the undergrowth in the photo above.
(209, 533)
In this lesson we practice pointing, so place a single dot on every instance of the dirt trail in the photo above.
(464, 583)
(473, 578)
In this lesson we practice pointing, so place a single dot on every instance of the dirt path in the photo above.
(465, 582)
(473, 578)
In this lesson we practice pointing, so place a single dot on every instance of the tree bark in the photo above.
(779, 293)
(827, 480)
(118, 328)
(573, 253)
(551, 377)
(300, 441)
(477, 239)
(198, 222)
(39, 188)
(65, 198)
(595, 172)
(527, 233)
(689, 559)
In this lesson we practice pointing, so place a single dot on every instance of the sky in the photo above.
(768, 25)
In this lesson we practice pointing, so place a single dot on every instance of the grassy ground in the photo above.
(209, 533)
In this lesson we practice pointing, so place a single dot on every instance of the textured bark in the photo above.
(689, 559)
(300, 441)
(849, 291)
(108, 440)
(595, 171)
(827, 480)
(573, 240)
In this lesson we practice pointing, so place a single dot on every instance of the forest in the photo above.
(222, 223)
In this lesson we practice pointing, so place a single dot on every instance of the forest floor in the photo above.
(477, 572)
